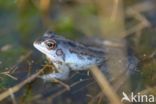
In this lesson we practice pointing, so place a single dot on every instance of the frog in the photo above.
(68, 55)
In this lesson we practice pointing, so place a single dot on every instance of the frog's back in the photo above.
(80, 57)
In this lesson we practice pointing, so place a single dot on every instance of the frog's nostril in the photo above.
(35, 43)
(38, 41)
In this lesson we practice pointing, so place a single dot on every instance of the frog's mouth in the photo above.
(40, 47)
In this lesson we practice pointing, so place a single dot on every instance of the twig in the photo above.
(14, 67)
(153, 54)
(63, 84)
(12, 97)
(105, 86)
(135, 12)
(17, 87)
(116, 83)
(9, 75)
(114, 10)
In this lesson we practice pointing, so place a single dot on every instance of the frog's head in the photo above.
(50, 45)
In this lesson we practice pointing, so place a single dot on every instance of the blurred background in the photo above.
(22, 21)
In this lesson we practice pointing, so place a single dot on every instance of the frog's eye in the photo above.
(51, 44)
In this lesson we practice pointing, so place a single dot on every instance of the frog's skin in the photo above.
(67, 55)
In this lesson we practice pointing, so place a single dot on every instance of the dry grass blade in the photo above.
(67, 87)
(9, 75)
(20, 85)
(105, 86)
(115, 8)
(14, 67)
(116, 83)
(12, 97)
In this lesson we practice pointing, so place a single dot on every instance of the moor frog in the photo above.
(67, 55)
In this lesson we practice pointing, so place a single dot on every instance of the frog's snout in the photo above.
(35, 43)
(38, 41)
